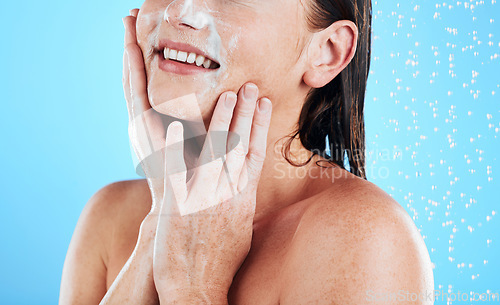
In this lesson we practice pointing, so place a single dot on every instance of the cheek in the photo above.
(270, 41)
(147, 26)
(266, 56)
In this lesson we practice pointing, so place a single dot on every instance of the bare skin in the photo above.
(334, 258)
(326, 237)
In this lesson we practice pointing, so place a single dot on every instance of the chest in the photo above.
(259, 278)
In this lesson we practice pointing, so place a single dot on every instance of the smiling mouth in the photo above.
(189, 58)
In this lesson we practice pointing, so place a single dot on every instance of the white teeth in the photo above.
(207, 63)
(200, 60)
(172, 54)
(182, 56)
(191, 58)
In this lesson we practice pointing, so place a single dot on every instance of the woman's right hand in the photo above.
(135, 283)
(146, 129)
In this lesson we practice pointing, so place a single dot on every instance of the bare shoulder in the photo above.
(117, 206)
(121, 193)
(106, 227)
(355, 244)
(355, 203)
(123, 206)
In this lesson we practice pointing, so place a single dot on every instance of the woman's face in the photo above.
(259, 41)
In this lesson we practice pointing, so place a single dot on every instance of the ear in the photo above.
(329, 52)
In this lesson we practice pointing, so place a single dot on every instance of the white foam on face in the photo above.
(152, 20)
(199, 16)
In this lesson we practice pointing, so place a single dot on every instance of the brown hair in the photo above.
(336, 110)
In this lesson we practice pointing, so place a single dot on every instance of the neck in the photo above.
(282, 184)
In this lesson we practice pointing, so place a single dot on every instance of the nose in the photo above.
(185, 13)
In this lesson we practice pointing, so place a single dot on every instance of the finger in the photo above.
(214, 148)
(228, 181)
(134, 12)
(130, 32)
(175, 166)
(257, 146)
(126, 71)
(244, 112)
(215, 144)
(133, 64)
(137, 79)
(126, 82)
(240, 130)
(146, 127)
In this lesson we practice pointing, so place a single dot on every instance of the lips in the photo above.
(176, 54)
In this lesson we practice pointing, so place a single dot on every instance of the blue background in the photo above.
(432, 123)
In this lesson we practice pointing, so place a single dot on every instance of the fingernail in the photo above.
(264, 105)
(250, 91)
(131, 11)
(230, 101)
(176, 126)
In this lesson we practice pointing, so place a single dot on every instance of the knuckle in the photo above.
(221, 119)
(260, 122)
(233, 140)
(128, 21)
(135, 95)
(131, 49)
(218, 148)
(218, 153)
(257, 156)
(240, 150)
(247, 111)
(128, 48)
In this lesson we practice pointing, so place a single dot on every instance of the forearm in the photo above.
(135, 283)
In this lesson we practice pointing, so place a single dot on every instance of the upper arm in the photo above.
(365, 252)
(84, 273)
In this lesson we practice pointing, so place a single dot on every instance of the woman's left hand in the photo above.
(204, 230)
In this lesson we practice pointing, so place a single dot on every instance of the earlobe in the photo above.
(332, 50)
